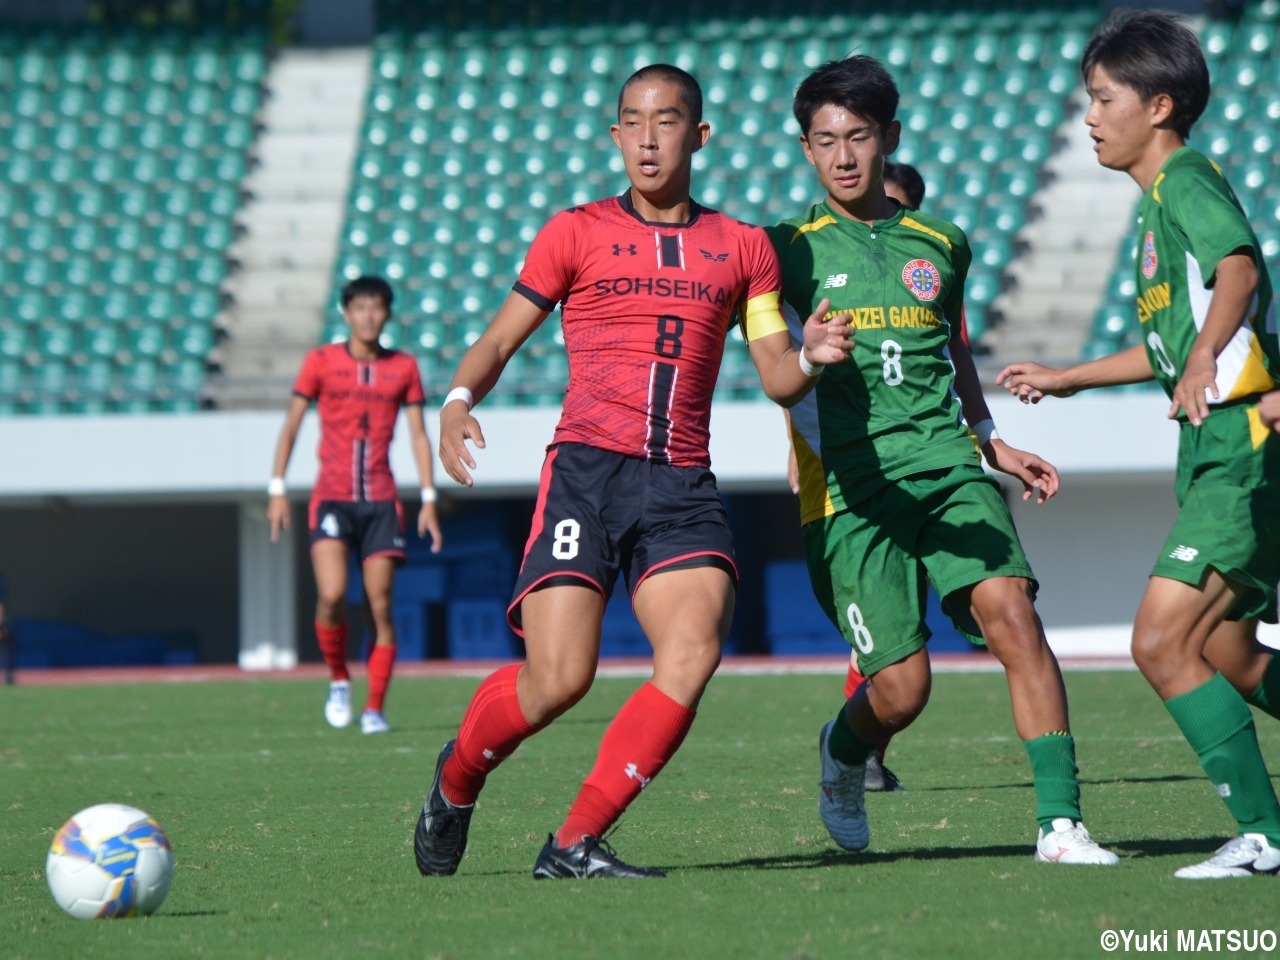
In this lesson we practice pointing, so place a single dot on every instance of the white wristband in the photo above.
(275, 487)
(428, 494)
(985, 431)
(807, 368)
(458, 393)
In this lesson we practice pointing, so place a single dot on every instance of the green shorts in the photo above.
(1228, 510)
(871, 564)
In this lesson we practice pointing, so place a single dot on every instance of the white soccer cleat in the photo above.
(1069, 842)
(1241, 856)
(841, 801)
(371, 721)
(337, 709)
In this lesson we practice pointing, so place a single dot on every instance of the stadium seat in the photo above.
(986, 91)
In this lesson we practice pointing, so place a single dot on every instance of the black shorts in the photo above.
(600, 513)
(369, 528)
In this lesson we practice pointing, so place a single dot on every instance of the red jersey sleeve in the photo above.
(549, 267)
(413, 394)
(765, 274)
(309, 377)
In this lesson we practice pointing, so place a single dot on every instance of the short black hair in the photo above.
(690, 90)
(859, 84)
(368, 286)
(908, 178)
(1153, 52)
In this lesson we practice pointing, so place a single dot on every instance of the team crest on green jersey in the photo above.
(1149, 258)
(922, 279)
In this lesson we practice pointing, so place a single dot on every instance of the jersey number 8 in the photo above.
(565, 544)
(891, 354)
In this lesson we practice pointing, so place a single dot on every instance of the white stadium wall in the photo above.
(76, 485)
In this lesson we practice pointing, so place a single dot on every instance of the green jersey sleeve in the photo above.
(1202, 206)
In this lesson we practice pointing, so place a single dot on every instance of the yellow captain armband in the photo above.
(762, 316)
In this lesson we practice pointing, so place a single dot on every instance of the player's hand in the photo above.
(1032, 382)
(1039, 477)
(457, 426)
(428, 522)
(827, 341)
(1269, 410)
(1200, 374)
(278, 512)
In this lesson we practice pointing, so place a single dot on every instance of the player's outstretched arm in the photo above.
(1039, 478)
(428, 521)
(277, 503)
(1032, 382)
(788, 374)
(1269, 409)
(477, 373)
(1235, 283)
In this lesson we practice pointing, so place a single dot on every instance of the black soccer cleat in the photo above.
(880, 779)
(440, 838)
(591, 858)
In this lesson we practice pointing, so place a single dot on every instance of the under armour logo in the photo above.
(634, 774)
(1184, 553)
(619, 249)
(716, 257)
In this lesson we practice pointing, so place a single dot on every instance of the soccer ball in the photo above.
(109, 861)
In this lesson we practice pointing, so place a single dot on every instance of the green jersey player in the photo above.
(889, 444)
(1209, 339)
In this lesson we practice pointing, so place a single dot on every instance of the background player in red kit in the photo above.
(359, 388)
(649, 284)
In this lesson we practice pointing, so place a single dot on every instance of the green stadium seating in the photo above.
(983, 92)
(122, 227)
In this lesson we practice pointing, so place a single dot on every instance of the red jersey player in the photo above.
(649, 284)
(359, 388)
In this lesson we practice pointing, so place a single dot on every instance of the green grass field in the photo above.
(294, 840)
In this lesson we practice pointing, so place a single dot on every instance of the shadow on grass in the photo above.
(1181, 846)
(838, 858)
(1027, 785)
(818, 859)
(1171, 846)
(166, 914)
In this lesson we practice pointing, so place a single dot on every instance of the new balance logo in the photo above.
(634, 774)
(836, 280)
(716, 257)
(1185, 554)
(619, 249)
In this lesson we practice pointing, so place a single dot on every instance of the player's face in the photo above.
(1119, 122)
(366, 316)
(658, 138)
(848, 151)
